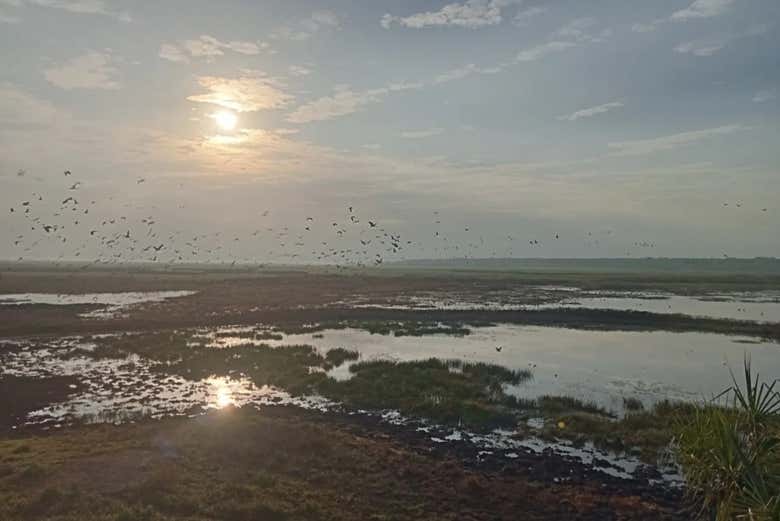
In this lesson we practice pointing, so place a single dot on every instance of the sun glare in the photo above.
(226, 120)
(221, 394)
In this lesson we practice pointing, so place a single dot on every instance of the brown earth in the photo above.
(279, 464)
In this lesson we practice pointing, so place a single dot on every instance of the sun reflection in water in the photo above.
(220, 393)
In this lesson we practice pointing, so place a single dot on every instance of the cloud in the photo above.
(578, 31)
(20, 110)
(93, 70)
(95, 7)
(307, 28)
(764, 96)
(698, 9)
(9, 19)
(522, 18)
(573, 34)
(702, 9)
(471, 14)
(708, 47)
(671, 142)
(346, 101)
(539, 51)
(646, 28)
(421, 134)
(341, 103)
(207, 47)
(248, 93)
(298, 70)
(457, 74)
(701, 47)
(591, 111)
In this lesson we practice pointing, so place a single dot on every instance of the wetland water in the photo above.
(755, 306)
(600, 366)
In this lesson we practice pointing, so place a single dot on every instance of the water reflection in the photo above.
(221, 396)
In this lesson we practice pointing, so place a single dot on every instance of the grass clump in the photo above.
(555, 405)
(632, 404)
(336, 357)
(731, 456)
(452, 392)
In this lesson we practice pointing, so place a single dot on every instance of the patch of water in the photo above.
(119, 391)
(599, 366)
(113, 303)
(761, 306)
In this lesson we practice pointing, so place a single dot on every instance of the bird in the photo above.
(372, 224)
(21, 172)
(75, 186)
(67, 173)
(141, 180)
(499, 348)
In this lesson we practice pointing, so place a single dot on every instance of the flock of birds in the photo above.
(79, 229)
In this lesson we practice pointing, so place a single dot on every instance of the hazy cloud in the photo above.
(298, 70)
(243, 94)
(341, 103)
(647, 27)
(421, 134)
(18, 109)
(307, 28)
(472, 14)
(591, 111)
(96, 7)
(764, 95)
(523, 17)
(701, 47)
(93, 70)
(670, 142)
(702, 9)
(207, 47)
(9, 19)
(539, 51)
(579, 31)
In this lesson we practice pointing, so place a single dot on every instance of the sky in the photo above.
(559, 128)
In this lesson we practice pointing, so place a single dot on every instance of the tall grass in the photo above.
(730, 452)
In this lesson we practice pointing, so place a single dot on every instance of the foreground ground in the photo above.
(279, 464)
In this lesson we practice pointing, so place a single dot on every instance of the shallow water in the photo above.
(756, 306)
(118, 391)
(113, 303)
(602, 366)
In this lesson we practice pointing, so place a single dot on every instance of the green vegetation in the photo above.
(451, 392)
(336, 357)
(731, 456)
(632, 404)
(648, 433)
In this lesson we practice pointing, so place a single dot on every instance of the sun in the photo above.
(226, 120)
